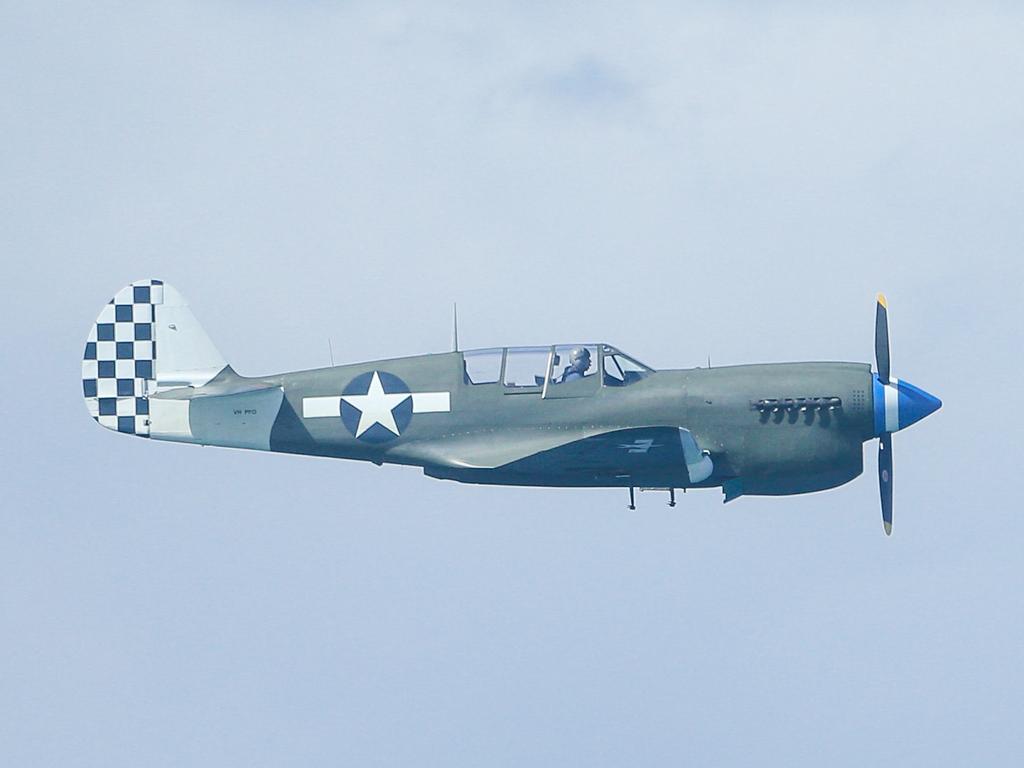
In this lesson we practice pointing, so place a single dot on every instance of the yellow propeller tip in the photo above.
(881, 300)
(888, 528)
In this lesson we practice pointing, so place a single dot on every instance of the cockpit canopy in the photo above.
(539, 367)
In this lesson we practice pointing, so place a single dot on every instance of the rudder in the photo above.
(145, 340)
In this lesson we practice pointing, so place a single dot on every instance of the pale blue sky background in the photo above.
(680, 180)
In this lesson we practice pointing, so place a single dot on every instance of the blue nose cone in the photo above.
(899, 404)
(915, 404)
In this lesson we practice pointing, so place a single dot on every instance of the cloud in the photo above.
(586, 83)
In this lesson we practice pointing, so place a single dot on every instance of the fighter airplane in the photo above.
(573, 415)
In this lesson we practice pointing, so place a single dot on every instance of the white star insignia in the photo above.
(376, 406)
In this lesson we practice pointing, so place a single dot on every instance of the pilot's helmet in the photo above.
(580, 358)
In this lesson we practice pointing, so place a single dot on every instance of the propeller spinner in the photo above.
(898, 404)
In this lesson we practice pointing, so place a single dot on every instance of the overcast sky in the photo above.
(729, 180)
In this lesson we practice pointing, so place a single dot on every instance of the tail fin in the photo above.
(146, 339)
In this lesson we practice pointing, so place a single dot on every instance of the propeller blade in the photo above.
(885, 479)
(882, 339)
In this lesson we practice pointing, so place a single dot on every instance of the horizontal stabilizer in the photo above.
(227, 384)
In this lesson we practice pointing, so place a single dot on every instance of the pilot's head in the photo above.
(579, 358)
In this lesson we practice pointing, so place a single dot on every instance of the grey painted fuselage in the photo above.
(769, 429)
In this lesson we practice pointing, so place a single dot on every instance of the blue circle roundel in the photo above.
(376, 406)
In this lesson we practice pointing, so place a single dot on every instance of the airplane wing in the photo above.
(621, 452)
(634, 451)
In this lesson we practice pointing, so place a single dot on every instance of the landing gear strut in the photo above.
(671, 495)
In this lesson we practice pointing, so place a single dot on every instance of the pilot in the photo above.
(579, 364)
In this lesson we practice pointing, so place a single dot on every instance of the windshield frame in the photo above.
(608, 349)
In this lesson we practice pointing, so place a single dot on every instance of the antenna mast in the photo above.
(455, 327)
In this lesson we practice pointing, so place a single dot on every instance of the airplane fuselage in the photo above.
(783, 428)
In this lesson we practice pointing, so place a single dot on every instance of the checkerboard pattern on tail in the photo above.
(119, 364)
